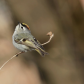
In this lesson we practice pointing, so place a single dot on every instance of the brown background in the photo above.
(65, 62)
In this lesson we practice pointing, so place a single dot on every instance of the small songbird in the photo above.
(25, 41)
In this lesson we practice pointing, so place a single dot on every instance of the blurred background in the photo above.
(65, 62)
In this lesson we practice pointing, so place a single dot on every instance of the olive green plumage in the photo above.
(25, 41)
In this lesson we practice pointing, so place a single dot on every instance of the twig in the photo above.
(26, 42)
(51, 36)
(10, 59)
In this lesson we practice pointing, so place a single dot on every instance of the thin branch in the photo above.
(26, 42)
(10, 59)
(51, 36)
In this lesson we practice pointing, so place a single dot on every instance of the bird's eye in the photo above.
(22, 27)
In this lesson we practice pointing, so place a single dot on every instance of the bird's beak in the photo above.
(19, 24)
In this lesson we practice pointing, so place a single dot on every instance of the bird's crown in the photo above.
(25, 25)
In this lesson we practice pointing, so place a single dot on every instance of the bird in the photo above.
(25, 41)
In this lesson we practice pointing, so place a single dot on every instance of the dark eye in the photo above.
(24, 40)
(22, 27)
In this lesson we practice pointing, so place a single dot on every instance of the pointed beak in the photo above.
(19, 24)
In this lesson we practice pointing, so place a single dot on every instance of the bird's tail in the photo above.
(41, 51)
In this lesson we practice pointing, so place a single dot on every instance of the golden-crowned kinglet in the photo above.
(25, 41)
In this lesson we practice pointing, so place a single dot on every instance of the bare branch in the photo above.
(51, 36)
(10, 59)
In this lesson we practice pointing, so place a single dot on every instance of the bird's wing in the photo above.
(31, 42)
(28, 40)
(37, 43)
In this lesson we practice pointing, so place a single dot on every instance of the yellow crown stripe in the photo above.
(26, 25)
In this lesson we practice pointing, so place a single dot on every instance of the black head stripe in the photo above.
(25, 25)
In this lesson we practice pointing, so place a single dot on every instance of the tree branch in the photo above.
(49, 34)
